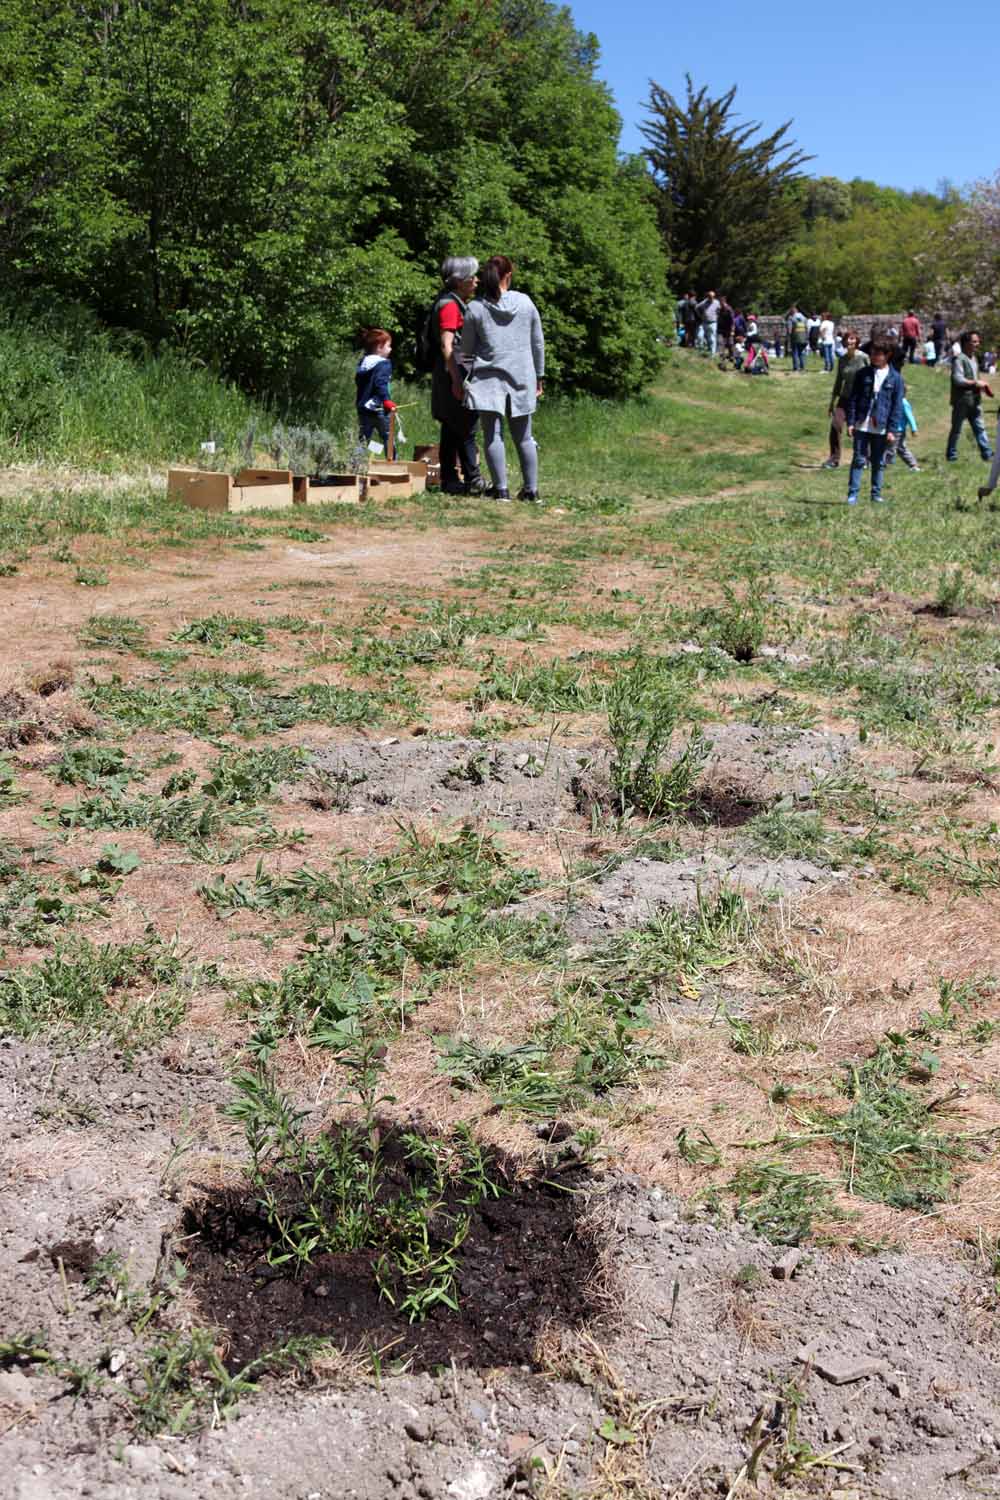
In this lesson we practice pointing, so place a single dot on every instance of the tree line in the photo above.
(253, 179)
(739, 215)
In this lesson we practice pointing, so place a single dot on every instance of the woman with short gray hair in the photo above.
(458, 424)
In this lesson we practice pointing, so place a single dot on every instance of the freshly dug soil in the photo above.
(529, 784)
(881, 1358)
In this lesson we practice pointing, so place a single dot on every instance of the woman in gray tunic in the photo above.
(504, 354)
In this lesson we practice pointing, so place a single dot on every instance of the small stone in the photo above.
(474, 1483)
(116, 1360)
(841, 1369)
(322, 1290)
(784, 1269)
(518, 1444)
(898, 1386)
(16, 1389)
(478, 1412)
(416, 1430)
(141, 1460)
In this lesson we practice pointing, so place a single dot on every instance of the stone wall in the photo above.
(863, 322)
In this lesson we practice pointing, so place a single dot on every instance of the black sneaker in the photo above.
(496, 494)
(531, 496)
(831, 463)
(453, 489)
(475, 487)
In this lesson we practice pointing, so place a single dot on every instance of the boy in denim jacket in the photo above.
(874, 417)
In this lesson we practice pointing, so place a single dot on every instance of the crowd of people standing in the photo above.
(869, 399)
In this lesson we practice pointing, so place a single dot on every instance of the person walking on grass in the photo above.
(848, 365)
(798, 336)
(874, 414)
(912, 336)
(994, 479)
(504, 350)
(826, 338)
(967, 397)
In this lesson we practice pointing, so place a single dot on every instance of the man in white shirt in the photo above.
(708, 311)
(826, 341)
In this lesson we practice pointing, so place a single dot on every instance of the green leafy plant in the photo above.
(343, 1191)
(741, 623)
(644, 709)
(114, 633)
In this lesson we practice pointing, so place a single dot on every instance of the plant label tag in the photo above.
(374, 447)
(208, 447)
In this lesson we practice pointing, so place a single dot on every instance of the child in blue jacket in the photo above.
(372, 379)
(874, 416)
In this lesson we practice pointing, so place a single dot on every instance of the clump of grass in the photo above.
(644, 709)
(553, 687)
(122, 991)
(247, 703)
(219, 631)
(114, 633)
(782, 1205)
(782, 831)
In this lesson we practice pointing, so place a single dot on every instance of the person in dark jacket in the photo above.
(458, 424)
(874, 416)
(848, 365)
(371, 378)
(939, 334)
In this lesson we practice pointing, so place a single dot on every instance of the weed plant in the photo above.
(644, 710)
(343, 1191)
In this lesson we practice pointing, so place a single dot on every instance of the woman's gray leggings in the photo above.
(496, 458)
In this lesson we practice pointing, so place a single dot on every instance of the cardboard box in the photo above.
(389, 481)
(252, 489)
(332, 489)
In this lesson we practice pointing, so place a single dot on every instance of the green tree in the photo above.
(724, 206)
(251, 183)
(882, 256)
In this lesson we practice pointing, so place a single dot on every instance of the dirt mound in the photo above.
(871, 1365)
(639, 888)
(531, 784)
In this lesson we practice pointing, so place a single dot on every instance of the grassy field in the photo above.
(178, 869)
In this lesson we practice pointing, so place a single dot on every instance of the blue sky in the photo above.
(930, 70)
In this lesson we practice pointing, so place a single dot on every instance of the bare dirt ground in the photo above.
(628, 1322)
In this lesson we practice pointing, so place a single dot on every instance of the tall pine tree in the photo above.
(724, 207)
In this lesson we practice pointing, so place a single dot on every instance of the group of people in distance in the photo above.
(869, 399)
(712, 324)
(486, 359)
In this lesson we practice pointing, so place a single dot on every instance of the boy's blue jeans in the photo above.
(798, 356)
(870, 445)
